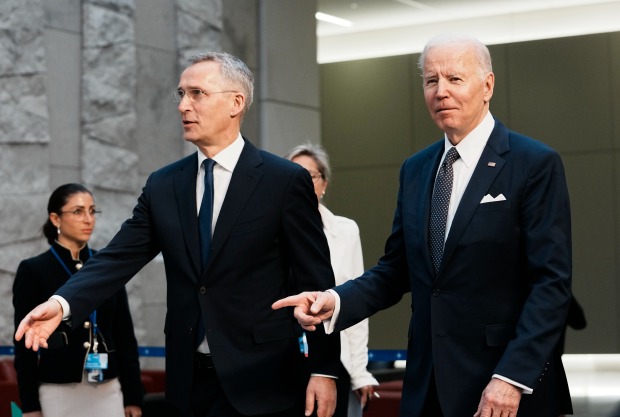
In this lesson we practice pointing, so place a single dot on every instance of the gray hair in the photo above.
(317, 153)
(482, 52)
(233, 70)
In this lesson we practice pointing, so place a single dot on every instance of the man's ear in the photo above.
(237, 105)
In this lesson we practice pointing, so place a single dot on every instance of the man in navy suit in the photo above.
(227, 352)
(488, 314)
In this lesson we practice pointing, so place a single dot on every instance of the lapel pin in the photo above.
(491, 164)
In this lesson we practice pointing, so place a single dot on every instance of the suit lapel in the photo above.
(488, 168)
(243, 182)
(185, 193)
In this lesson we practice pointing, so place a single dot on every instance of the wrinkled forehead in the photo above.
(452, 57)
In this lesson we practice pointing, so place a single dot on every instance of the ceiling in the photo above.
(392, 27)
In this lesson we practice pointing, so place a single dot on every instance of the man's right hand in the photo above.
(311, 308)
(39, 324)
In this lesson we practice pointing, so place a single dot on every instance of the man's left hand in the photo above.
(322, 392)
(499, 399)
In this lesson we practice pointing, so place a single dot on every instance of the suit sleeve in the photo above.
(383, 285)
(111, 267)
(546, 238)
(310, 264)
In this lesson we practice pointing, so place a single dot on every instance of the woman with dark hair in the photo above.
(94, 369)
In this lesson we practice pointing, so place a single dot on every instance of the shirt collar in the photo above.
(470, 148)
(228, 157)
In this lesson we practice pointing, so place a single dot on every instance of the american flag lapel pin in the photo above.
(491, 164)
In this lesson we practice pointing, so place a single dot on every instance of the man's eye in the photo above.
(194, 93)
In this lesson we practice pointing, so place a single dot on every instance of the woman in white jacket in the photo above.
(356, 384)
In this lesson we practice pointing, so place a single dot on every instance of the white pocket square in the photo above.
(490, 199)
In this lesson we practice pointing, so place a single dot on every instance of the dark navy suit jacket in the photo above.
(499, 301)
(268, 243)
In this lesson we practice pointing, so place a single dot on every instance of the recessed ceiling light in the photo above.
(323, 17)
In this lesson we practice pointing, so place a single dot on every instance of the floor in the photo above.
(594, 382)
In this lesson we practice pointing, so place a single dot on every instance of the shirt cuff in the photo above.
(325, 376)
(66, 311)
(330, 323)
(525, 389)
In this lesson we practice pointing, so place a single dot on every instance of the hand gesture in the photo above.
(39, 324)
(311, 308)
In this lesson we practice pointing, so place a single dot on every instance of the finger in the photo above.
(290, 301)
(309, 404)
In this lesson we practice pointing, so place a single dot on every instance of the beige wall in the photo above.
(565, 92)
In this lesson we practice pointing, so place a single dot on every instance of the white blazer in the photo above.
(345, 246)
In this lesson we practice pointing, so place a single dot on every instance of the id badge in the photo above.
(96, 361)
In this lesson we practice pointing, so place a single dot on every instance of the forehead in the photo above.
(306, 161)
(201, 73)
(451, 58)
(80, 199)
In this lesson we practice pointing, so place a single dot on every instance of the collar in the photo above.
(228, 157)
(328, 219)
(472, 145)
(65, 254)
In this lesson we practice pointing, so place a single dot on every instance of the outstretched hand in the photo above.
(311, 308)
(39, 324)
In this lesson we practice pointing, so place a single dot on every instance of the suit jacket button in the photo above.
(203, 290)
(436, 292)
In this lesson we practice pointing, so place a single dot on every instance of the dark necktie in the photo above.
(205, 215)
(439, 207)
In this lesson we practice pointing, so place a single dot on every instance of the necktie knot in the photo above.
(451, 156)
(208, 164)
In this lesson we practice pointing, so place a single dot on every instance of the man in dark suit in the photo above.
(490, 296)
(227, 352)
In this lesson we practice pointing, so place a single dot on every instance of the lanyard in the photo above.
(93, 315)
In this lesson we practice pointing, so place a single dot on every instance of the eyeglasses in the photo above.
(194, 94)
(316, 175)
(80, 213)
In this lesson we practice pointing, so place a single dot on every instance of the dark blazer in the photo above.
(36, 280)
(269, 226)
(499, 301)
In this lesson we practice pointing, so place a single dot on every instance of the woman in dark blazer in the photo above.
(59, 381)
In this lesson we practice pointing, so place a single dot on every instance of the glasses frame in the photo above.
(315, 175)
(194, 94)
(80, 213)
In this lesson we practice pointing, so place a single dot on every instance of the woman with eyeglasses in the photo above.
(355, 385)
(92, 368)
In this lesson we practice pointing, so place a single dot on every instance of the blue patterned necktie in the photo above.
(439, 207)
(205, 215)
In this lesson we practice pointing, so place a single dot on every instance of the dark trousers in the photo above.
(432, 408)
(343, 387)
(208, 398)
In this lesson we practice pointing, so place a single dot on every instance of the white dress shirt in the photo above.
(225, 163)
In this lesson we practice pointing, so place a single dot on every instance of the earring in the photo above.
(58, 229)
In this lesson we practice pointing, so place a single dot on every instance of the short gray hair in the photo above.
(482, 52)
(317, 153)
(233, 70)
